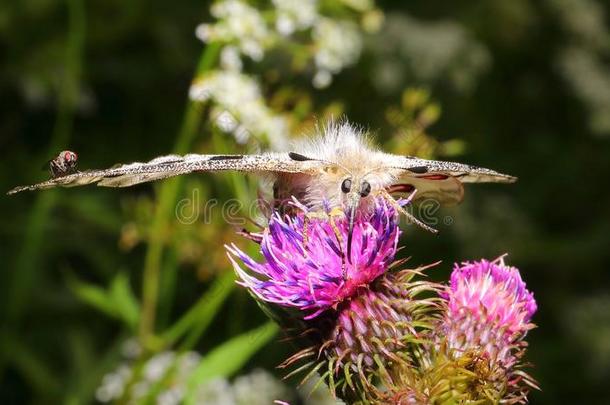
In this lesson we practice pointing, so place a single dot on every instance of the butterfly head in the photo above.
(353, 190)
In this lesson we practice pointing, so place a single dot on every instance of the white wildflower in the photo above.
(229, 58)
(239, 24)
(200, 91)
(130, 349)
(113, 384)
(177, 367)
(338, 44)
(228, 89)
(262, 382)
(139, 390)
(169, 373)
(204, 32)
(187, 364)
(293, 15)
(241, 108)
(585, 20)
(158, 365)
(224, 119)
(172, 396)
(589, 79)
(217, 392)
(322, 79)
(427, 52)
(241, 134)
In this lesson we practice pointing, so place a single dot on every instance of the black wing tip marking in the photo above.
(226, 157)
(298, 157)
(418, 169)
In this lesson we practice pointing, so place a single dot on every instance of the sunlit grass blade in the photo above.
(201, 314)
(230, 357)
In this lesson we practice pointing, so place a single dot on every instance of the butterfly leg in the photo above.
(329, 216)
(384, 193)
(334, 213)
(325, 216)
(253, 236)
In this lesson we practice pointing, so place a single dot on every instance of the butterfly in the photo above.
(338, 167)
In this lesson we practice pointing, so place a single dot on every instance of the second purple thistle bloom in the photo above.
(314, 275)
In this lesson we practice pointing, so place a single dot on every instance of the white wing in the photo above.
(175, 165)
(439, 180)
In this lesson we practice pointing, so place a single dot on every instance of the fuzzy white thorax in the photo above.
(349, 154)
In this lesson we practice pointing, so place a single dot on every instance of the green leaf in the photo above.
(228, 358)
(198, 318)
(93, 295)
(124, 300)
(118, 301)
(205, 312)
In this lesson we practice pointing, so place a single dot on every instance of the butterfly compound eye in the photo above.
(365, 189)
(346, 186)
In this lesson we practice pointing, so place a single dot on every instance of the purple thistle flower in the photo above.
(474, 352)
(487, 296)
(479, 343)
(316, 275)
(351, 318)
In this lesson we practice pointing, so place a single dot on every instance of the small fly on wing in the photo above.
(64, 164)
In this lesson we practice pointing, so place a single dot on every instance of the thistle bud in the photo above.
(476, 351)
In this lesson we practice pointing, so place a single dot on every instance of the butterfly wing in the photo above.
(439, 180)
(176, 165)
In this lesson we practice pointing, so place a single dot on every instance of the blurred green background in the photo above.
(519, 86)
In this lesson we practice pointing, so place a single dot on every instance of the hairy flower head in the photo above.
(351, 317)
(305, 262)
(479, 344)
(474, 353)
(487, 296)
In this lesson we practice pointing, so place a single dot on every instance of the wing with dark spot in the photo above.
(466, 173)
(175, 165)
(439, 179)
